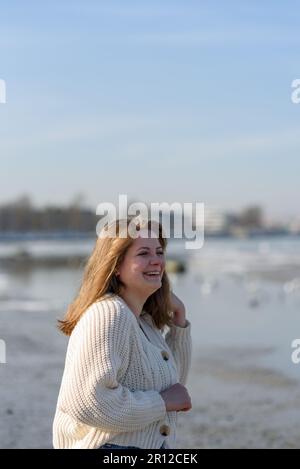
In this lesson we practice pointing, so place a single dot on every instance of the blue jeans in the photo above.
(112, 446)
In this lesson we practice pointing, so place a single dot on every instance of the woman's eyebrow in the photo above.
(146, 247)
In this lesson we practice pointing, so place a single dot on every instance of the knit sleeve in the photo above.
(98, 351)
(180, 342)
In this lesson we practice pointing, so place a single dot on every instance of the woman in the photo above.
(123, 382)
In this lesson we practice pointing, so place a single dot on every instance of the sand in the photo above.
(236, 403)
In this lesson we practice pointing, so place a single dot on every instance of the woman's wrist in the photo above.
(180, 323)
(178, 308)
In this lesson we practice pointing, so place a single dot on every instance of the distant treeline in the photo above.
(21, 215)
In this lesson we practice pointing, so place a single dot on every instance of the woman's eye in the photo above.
(144, 253)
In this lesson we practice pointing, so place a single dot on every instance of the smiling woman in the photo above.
(123, 382)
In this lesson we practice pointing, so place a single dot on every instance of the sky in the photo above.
(163, 101)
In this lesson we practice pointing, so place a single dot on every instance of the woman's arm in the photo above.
(99, 348)
(179, 338)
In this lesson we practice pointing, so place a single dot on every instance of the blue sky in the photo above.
(163, 101)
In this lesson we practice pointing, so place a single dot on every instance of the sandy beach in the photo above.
(235, 403)
(239, 405)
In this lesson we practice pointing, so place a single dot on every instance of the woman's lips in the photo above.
(152, 276)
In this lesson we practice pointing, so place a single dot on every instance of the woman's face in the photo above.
(143, 266)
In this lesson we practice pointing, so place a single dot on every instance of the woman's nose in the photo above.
(155, 260)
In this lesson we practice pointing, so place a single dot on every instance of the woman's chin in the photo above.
(152, 285)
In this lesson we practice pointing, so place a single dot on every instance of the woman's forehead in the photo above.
(147, 242)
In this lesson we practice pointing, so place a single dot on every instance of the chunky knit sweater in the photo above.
(116, 366)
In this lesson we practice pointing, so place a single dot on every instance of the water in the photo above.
(239, 294)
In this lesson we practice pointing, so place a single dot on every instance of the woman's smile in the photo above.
(152, 275)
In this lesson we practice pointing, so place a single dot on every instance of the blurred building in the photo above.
(294, 226)
(215, 220)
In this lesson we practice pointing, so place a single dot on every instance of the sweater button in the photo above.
(165, 355)
(164, 430)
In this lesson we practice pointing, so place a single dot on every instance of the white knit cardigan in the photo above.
(112, 378)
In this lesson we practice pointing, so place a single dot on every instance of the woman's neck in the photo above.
(134, 302)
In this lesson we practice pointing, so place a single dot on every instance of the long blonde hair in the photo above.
(99, 279)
